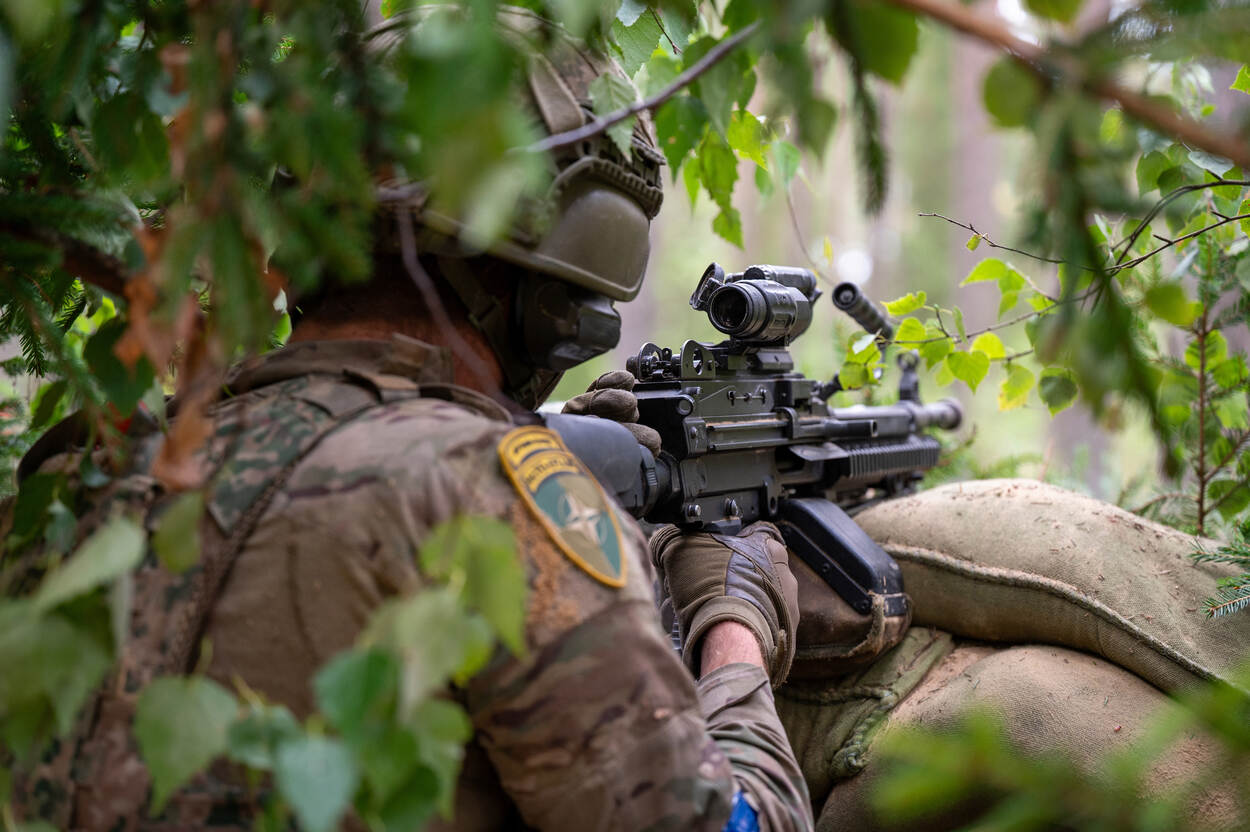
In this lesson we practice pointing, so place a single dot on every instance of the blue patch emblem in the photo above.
(567, 500)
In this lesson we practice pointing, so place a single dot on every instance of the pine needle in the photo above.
(1230, 599)
(1236, 553)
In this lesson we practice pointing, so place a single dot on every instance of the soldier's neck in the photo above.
(473, 361)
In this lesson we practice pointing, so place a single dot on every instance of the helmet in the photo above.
(570, 255)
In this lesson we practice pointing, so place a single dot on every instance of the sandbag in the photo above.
(831, 723)
(1049, 700)
(832, 638)
(1025, 562)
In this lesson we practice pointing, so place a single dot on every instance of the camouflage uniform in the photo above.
(332, 461)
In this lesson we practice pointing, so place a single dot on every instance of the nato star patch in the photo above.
(567, 500)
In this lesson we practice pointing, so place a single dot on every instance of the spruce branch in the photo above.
(1225, 554)
(1229, 599)
(1240, 440)
(1226, 495)
(80, 259)
(1162, 498)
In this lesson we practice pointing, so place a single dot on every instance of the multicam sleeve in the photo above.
(601, 727)
(737, 703)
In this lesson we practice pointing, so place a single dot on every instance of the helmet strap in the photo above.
(489, 315)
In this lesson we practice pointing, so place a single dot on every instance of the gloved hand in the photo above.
(745, 578)
(609, 397)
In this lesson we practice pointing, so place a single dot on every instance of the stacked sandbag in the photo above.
(1064, 616)
(1022, 561)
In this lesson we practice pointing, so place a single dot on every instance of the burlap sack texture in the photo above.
(1020, 561)
(834, 639)
(1050, 700)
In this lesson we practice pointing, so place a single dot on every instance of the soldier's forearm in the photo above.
(737, 703)
(728, 643)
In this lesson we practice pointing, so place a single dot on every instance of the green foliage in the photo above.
(181, 725)
(478, 555)
(1233, 593)
(383, 741)
(973, 769)
(202, 155)
(902, 306)
(55, 645)
(882, 37)
(176, 541)
(1123, 325)
(1016, 387)
(1057, 389)
(969, 367)
(110, 552)
(317, 776)
(1011, 94)
(1061, 10)
(611, 93)
(1242, 81)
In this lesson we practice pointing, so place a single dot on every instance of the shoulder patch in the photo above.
(567, 500)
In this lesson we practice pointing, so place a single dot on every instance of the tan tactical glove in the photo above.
(712, 578)
(609, 397)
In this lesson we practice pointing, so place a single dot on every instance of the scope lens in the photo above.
(728, 309)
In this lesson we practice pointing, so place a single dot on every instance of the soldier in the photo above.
(404, 403)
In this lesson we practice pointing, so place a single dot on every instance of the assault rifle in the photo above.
(745, 437)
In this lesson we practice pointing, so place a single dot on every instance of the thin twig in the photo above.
(1139, 260)
(1045, 63)
(685, 79)
(1175, 193)
(986, 238)
(798, 232)
(1228, 457)
(664, 31)
(1214, 506)
(433, 303)
(1171, 495)
(1120, 265)
(1002, 324)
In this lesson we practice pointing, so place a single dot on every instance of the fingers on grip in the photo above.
(648, 438)
(614, 380)
(614, 405)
